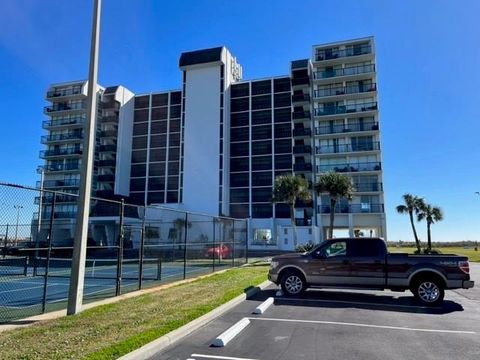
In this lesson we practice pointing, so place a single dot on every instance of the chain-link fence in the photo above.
(129, 247)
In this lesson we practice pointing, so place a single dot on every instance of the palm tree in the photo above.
(431, 214)
(411, 204)
(337, 186)
(288, 189)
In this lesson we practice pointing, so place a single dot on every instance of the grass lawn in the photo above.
(458, 250)
(109, 331)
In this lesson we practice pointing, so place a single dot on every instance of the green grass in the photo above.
(458, 250)
(110, 331)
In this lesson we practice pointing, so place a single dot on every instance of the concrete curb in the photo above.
(172, 337)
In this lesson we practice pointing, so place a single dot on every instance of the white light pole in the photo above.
(18, 207)
(75, 295)
(40, 203)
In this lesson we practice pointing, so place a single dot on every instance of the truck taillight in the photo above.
(464, 266)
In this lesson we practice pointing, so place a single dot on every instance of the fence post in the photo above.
(214, 250)
(49, 251)
(141, 252)
(233, 242)
(6, 243)
(118, 289)
(246, 241)
(185, 248)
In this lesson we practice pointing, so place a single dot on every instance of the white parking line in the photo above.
(358, 303)
(364, 325)
(219, 357)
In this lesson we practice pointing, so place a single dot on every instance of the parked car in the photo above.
(219, 251)
(364, 263)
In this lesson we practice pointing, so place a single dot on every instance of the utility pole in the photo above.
(17, 207)
(75, 295)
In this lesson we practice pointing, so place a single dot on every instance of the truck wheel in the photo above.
(429, 291)
(293, 283)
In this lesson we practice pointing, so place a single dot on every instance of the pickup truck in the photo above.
(364, 263)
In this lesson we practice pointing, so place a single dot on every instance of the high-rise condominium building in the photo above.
(216, 145)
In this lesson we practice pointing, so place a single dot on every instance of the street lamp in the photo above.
(17, 207)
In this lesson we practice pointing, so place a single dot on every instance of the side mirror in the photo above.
(318, 255)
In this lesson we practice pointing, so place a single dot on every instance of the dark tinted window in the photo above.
(365, 248)
(173, 153)
(283, 146)
(280, 85)
(156, 183)
(283, 161)
(140, 129)
(261, 117)
(160, 113)
(240, 119)
(282, 211)
(261, 147)
(283, 130)
(239, 90)
(140, 115)
(239, 134)
(158, 140)
(142, 101)
(155, 197)
(175, 97)
(261, 102)
(174, 139)
(262, 211)
(261, 163)
(138, 170)
(157, 154)
(239, 211)
(239, 195)
(239, 104)
(263, 178)
(172, 183)
(261, 87)
(239, 180)
(139, 156)
(261, 132)
(139, 142)
(239, 149)
(282, 115)
(239, 164)
(157, 169)
(172, 197)
(160, 100)
(174, 125)
(173, 168)
(282, 100)
(158, 127)
(137, 184)
(175, 111)
(262, 195)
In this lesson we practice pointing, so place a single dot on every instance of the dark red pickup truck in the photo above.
(364, 263)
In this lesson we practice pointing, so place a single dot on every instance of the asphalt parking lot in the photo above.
(347, 324)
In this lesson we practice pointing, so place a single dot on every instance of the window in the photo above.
(261, 87)
(262, 211)
(282, 115)
(175, 111)
(239, 195)
(156, 183)
(139, 156)
(172, 197)
(142, 101)
(139, 142)
(263, 178)
(240, 119)
(155, 197)
(281, 85)
(239, 180)
(240, 90)
(157, 169)
(239, 149)
(159, 100)
(263, 237)
(239, 211)
(160, 113)
(137, 184)
(261, 117)
(261, 147)
(239, 164)
(158, 141)
(239, 134)
(138, 170)
(159, 127)
(174, 139)
(283, 146)
(262, 163)
(174, 126)
(157, 154)
(338, 248)
(239, 104)
(262, 194)
(173, 153)
(365, 248)
(282, 100)
(283, 131)
(175, 97)
(282, 211)
(283, 161)
(140, 116)
(261, 132)
(173, 168)
(140, 129)
(261, 102)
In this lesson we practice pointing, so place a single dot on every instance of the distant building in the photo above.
(216, 145)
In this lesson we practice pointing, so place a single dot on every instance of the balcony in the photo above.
(108, 148)
(77, 120)
(345, 148)
(302, 167)
(109, 133)
(302, 149)
(63, 107)
(106, 178)
(64, 92)
(354, 167)
(301, 115)
(59, 198)
(365, 208)
(109, 119)
(59, 183)
(107, 163)
(44, 154)
(61, 137)
(60, 167)
(336, 129)
(346, 109)
(301, 81)
(368, 187)
(300, 98)
(301, 132)
(329, 54)
(303, 222)
(112, 104)
(345, 90)
(346, 71)
(300, 64)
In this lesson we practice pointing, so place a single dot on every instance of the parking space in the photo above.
(347, 324)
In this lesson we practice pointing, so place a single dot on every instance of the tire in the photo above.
(293, 283)
(428, 291)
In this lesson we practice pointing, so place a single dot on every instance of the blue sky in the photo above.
(428, 62)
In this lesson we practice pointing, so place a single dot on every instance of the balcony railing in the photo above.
(302, 167)
(302, 132)
(368, 187)
(366, 166)
(64, 107)
(335, 129)
(109, 119)
(77, 120)
(64, 92)
(59, 198)
(108, 148)
(302, 149)
(300, 97)
(108, 163)
(346, 109)
(59, 183)
(365, 208)
(60, 167)
(61, 152)
(346, 71)
(61, 137)
(296, 115)
(328, 54)
(345, 90)
(343, 148)
(109, 133)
